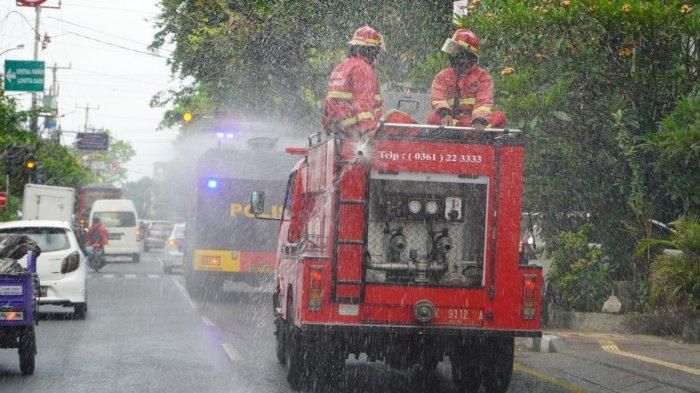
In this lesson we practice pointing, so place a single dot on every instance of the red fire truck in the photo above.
(405, 246)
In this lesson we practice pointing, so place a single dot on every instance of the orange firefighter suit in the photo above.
(353, 104)
(465, 100)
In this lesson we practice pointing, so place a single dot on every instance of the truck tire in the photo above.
(329, 363)
(280, 328)
(426, 375)
(499, 365)
(467, 379)
(27, 352)
(296, 359)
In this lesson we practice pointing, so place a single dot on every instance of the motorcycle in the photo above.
(95, 257)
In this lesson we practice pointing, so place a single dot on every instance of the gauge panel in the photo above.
(417, 207)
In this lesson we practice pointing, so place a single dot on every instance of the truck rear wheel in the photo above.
(467, 379)
(296, 359)
(280, 327)
(329, 363)
(499, 365)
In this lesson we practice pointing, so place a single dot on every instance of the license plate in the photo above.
(260, 269)
(115, 236)
(459, 316)
(42, 291)
(10, 290)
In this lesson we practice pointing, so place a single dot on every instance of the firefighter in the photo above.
(462, 95)
(353, 105)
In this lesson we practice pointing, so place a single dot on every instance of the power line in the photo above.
(111, 8)
(118, 46)
(102, 32)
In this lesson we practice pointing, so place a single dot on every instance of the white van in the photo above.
(120, 218)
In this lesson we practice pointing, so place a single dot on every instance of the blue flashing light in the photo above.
(212, 183)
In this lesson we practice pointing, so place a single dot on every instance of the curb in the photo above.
(548, 343)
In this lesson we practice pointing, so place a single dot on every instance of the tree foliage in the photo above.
(588, 80)
(57, 166)
(580, 271)
(119, 152)
(675, 276)
(267, 58)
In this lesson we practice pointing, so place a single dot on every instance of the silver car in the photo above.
(172, 251)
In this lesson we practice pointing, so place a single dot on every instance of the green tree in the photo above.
(119, 152)
(677, 148)
(580, 271)
(675, 276)
(57, 166)
(587, 81)
(272, 58)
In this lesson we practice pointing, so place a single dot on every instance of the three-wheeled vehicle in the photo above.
(19, 292)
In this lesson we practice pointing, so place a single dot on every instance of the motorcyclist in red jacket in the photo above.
(462, 95)
(353, 105)
(97, 236)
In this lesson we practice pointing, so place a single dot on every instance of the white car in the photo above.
(61, 266)
(121, 220)
(172, 251)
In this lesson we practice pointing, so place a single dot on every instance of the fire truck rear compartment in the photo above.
(426, 230)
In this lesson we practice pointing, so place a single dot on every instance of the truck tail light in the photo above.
(70, 263)
(529, 296)
(315, 287)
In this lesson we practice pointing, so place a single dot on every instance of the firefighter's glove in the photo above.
(479, 124)
(447, 121)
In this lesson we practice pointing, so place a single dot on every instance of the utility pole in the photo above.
(87, 113)
(51, 102)
(54, 86)
(37, 39)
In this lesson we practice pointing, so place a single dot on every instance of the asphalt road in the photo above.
(144, 334)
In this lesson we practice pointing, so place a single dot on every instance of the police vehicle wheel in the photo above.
(194, 286)
(499, 369)
(27, 352)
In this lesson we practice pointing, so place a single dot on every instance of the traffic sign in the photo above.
(3, 198)
(92, 141)
(31, 3)
(24, 75)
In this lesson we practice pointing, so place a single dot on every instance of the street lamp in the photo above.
(20, 46)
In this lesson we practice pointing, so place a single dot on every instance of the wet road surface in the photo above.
(144, 333)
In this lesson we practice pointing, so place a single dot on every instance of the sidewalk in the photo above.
(649, 349)
(615, 362)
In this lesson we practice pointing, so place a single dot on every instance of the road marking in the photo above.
(562, 384)
(207, 321)
(610, 347)
(154, 276)
(232, 353)
(129, 276)
(108, 276)
(184, 293)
